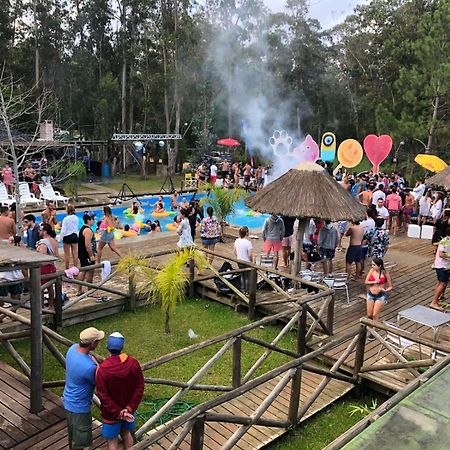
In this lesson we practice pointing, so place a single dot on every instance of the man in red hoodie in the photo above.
(120, 386)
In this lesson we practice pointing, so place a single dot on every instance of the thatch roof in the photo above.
(441, 179)
(307, 190)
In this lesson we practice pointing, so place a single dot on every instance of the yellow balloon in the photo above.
(350, 153)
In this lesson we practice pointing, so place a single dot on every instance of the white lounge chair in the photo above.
(27, 197)
(48, 193)
(5, 198)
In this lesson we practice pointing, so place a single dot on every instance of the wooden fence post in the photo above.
(191, 291)
(301, 332)
(131, 304)
(236, 377)
(294, 399)
(57, 317)
(198, 433)
(330, 314)
(360, 349)
(36, 340)
(252, 294)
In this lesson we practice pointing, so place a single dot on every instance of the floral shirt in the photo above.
(377, 241)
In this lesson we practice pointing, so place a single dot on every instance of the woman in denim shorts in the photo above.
(379, 283)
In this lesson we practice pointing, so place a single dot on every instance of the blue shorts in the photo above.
(442, 275)
(382, 297)
(112, 430)
(106, 236)
(354, 254)
(327, 253)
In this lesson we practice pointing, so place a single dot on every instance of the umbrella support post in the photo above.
(302, 221)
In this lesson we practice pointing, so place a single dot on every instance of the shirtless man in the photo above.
(225, 168)
(7, 225)
(354, 252)
(50, 214)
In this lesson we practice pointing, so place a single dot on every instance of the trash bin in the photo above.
(105, 170)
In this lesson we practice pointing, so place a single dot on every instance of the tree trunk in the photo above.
(167, 323)
(229, 93)
(37, 74)
(434, 120)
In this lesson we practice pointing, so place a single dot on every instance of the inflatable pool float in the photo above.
(252, 213)
(129, 233)
(164, 213)
(171, 226)
(117, 234)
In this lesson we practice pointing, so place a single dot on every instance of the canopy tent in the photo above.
(306, 191)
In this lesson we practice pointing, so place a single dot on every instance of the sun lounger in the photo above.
(26, 197)
(48, 193)
(5, 198)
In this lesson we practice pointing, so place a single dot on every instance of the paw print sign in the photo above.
(281, 144)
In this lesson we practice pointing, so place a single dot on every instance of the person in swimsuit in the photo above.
(48, 246)
(378, 283)
(107, 228)
(159, 205)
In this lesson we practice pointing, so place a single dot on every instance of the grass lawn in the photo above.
(138, 184)
(145, 339)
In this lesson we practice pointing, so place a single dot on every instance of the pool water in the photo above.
(242, 216)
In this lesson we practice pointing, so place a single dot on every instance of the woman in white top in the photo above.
(184, 230)
(69, 236)
(436, 207)
(424, 207)
(243, 249)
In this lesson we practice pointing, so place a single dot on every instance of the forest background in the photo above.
(233, 68)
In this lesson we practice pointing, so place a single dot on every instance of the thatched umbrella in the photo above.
(306, 191)
(441, 179)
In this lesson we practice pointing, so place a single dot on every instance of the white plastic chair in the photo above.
(48, 193)
(398, 342)
(5, 198)
(266, 260)
(27, 197)
(340, 284)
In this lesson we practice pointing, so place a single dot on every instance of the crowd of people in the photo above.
(230, 175)
(33, 172)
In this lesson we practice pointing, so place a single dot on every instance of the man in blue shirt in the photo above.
(32, 231)
(79, 388)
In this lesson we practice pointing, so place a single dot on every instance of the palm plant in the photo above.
(223, 201)
(166, 284)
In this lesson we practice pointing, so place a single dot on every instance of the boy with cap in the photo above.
(79, 388)
(120, 386)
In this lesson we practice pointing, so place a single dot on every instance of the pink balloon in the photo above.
(377, 149)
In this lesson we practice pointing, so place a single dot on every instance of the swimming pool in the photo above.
(242, 216)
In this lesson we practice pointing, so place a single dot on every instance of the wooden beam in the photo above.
(14, 335)
(395, 366)
(198, 433)
(441, 346)
(181, 384)
(36, 341)
(236, 367)
(230, 418)
(265, 344)
(54, 350)
(17, 358)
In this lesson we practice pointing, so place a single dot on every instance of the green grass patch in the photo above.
(139, 184)
(324, 427)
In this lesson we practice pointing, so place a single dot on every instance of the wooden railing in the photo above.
(242, 382)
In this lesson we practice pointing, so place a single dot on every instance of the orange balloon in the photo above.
(350, 153)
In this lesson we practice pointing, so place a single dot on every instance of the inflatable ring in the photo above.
(117, 235)
(161, 214)
(171, 226)
(129, 233)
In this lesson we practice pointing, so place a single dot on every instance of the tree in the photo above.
(165, 285)
(223, 201)
(16, 109)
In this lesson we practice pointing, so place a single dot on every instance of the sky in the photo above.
(328, 12)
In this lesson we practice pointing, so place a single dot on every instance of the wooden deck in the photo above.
(217, 433)
(413, 280)
(21, 430)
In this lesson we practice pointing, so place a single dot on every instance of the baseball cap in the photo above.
(115, 341)
(90, 335)
(87, 216)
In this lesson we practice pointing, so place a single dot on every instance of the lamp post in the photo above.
(425, 147)
(396, 154)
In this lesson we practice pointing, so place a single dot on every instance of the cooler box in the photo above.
(414, 231)
(427, 232)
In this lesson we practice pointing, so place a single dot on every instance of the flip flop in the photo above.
(437, 308)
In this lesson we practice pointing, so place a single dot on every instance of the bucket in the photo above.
(105, 170)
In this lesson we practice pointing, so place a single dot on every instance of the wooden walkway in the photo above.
(21, 430)
(217, 433)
